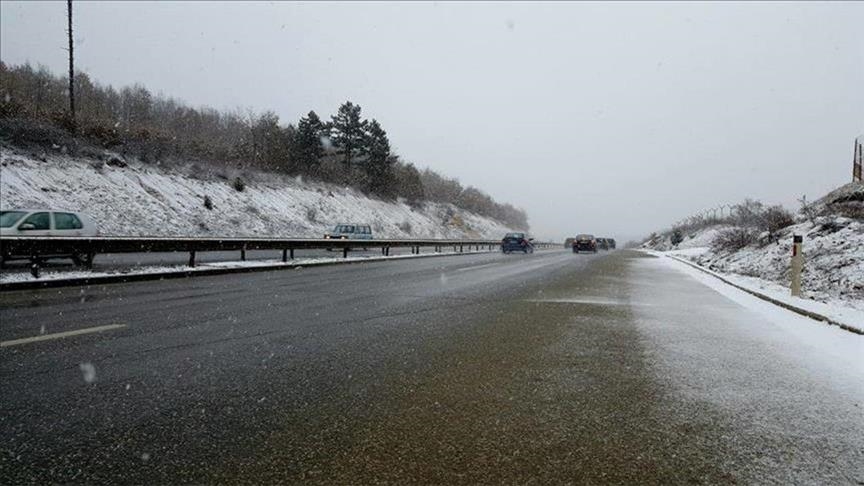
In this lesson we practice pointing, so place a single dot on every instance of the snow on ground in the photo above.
(841, 349)
(845, 311)
(837, 309)
(833, 259)
(149, 200)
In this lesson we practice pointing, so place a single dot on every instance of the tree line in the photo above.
(345, 149)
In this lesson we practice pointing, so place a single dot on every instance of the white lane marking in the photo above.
(60, 335)
(592, 301)
(475, 267)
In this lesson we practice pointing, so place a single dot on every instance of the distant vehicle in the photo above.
(602, 243)
(517, 242)
(611, 242)
(568, 243)
(46, 222)
(350, 232)
(585, 243)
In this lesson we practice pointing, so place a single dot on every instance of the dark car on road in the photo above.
(602, 243)
(585, 243)
(611, 242)
(568, 243)
(517, 242)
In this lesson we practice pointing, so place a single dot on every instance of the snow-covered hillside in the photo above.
(833, 250)
(147, 200)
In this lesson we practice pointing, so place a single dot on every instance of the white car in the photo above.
(46, 222)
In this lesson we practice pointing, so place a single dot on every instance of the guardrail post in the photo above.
(345, 252)
(34, 269)
(192, 258)
(243, 254)
(460, 249)
(284, 255)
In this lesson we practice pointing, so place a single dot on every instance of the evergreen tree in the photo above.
(307, 148)
(378, 163)
(348, 132)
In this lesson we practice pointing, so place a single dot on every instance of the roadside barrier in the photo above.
(38, 248)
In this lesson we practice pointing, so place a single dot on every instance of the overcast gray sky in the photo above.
(611, 118)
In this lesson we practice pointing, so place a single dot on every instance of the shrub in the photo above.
(733, 239)
(676, 237)
(311, 214)
(808, 209)
(238, 184)
(116, 161)
(208, 203)
(775, 218)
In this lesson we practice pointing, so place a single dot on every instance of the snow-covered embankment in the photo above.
(148, 200)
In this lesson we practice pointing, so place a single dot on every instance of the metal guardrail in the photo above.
(36, 248)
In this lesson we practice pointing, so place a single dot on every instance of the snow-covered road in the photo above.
(789, 387)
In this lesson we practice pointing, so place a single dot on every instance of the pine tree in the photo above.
(378, 163)
(307, 148)
(349, 132)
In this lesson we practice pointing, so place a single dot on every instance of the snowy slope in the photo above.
(147, 200)
(833, 255)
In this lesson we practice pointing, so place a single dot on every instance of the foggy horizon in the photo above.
(613, 119)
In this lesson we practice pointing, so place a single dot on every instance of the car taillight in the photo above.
(523, 243)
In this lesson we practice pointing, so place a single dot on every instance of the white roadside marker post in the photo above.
(797, 264)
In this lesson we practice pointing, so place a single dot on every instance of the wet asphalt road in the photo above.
(545, 368)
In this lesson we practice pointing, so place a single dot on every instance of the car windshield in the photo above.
(9, 218)
(180, 303)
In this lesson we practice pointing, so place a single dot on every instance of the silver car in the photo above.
(350, 232)
(46, 222)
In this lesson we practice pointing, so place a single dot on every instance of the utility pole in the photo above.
(71, 70)
(857, 161)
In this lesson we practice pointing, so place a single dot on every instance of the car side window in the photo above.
(40, 221)
(67, 221)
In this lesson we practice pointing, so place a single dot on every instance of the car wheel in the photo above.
(83, 259)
